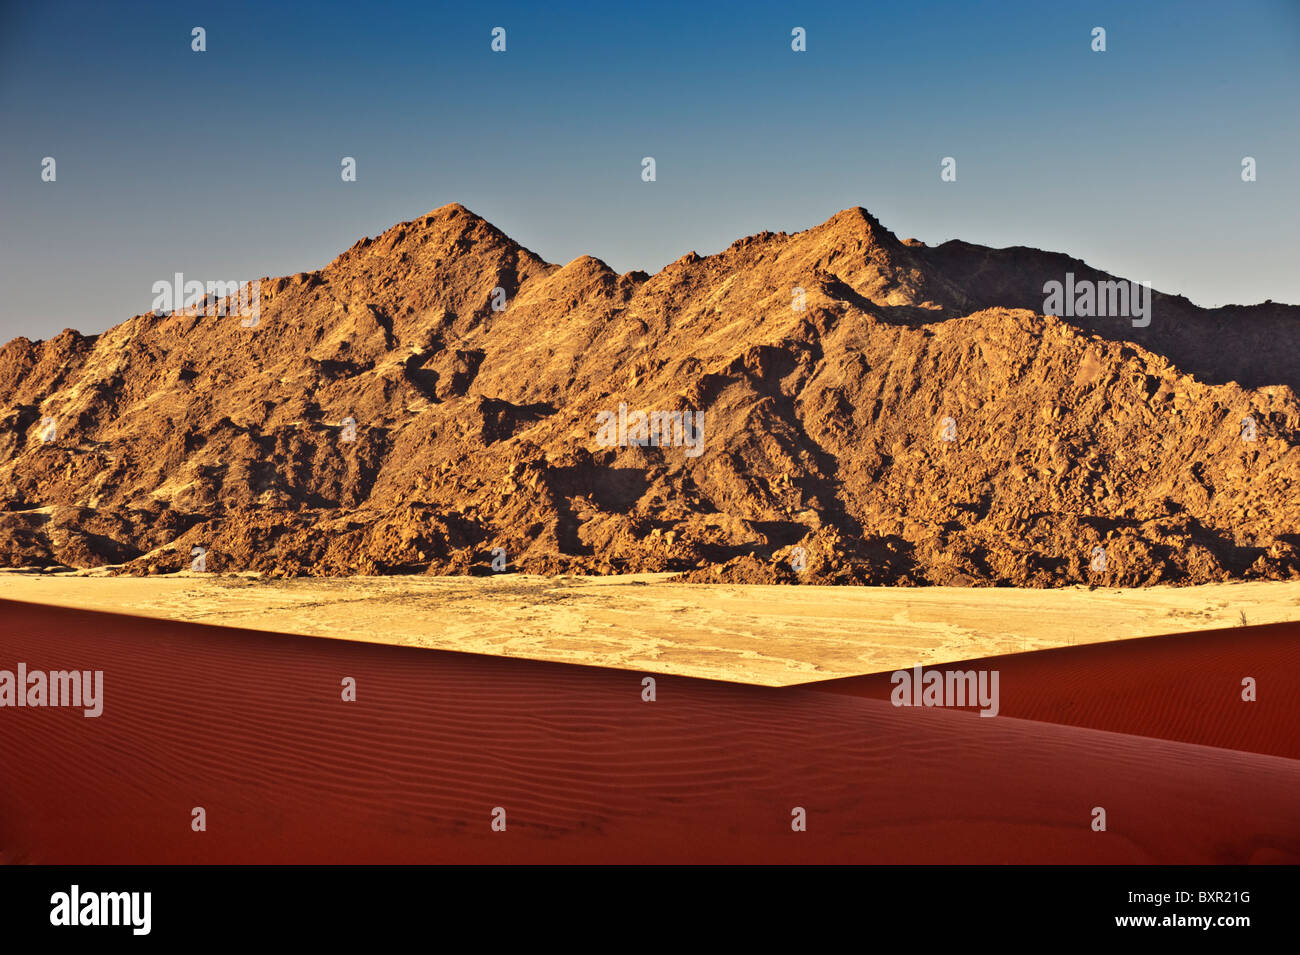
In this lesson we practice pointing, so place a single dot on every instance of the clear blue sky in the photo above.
(225, 164)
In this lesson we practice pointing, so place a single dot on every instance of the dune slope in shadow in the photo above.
(251, 727)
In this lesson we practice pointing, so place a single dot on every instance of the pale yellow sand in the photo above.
(754, 634)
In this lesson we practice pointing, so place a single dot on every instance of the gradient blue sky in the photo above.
(225, 164)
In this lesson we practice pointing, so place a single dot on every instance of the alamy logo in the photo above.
(74, 907)
(84, 688)
(916, 687)
(659, 429)
(1086, 299)
(211, 299)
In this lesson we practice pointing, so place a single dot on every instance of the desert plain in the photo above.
(771, 635)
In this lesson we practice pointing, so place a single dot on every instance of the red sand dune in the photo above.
(1185, 687)
(251, 727)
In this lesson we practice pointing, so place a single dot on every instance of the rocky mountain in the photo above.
(871, 410)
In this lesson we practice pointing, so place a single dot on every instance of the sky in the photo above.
(226, 164)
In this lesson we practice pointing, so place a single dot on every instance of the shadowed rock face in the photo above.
(915, 421)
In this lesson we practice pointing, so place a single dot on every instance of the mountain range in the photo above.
(871, 410)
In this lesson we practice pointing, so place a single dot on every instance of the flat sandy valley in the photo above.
(768, 635)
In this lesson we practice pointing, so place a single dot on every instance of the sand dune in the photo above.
(771, 635)
(1185, 687)
(251, 727)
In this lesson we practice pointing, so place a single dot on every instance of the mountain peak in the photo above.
(450, 211)
(854, 221)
